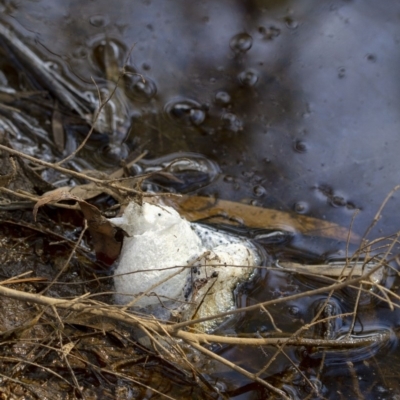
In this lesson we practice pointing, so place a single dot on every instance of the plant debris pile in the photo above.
(48, 352)
(63, 336)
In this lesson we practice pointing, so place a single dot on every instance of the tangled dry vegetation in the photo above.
(63, 338)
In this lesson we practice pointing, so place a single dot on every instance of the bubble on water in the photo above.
(98, 21)
(241, 42)
(112, 154)
(316, 386)
(135, 169)
(232, 122)
(269, 34)
(107, 54)
(338, 201)
(54, 66)
(90, 97)
(139, 87)
(352, 206)
(294, 311)
(341, 72)
(222, 98)
(80, 52)
(220, 387)
(259, 190)
(197, 116)
(248, 77)
(301, 207)
(291, 23)
(290, 392)
(328, 194)
(186, 111)
(299, 146)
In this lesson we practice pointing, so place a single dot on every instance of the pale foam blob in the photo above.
(189, 268)
(159, 240)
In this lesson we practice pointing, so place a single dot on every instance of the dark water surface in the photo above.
(297, 102)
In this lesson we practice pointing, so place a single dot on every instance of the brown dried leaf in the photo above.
(195, 208)
(106, 245)
(85, 192)
(53, 197)
(89, 191)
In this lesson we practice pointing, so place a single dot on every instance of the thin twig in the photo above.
(264, 309)
(113, 312)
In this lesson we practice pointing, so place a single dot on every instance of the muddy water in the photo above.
(297, 104)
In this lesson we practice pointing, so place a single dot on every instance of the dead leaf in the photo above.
(196, 208)
(84, 192)
(53, 197)
(107, 239)
(89, 191)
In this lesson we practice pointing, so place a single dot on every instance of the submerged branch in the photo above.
(93, 308)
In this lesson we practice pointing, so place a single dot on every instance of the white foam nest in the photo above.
(179, 265)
